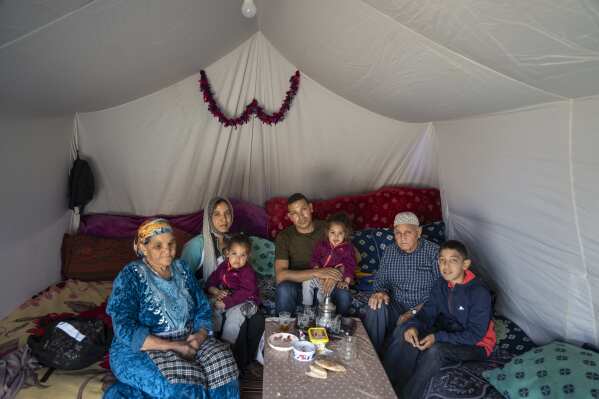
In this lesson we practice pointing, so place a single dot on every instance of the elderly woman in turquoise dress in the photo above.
(163, 345)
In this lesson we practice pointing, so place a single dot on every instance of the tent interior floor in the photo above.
(251, 382)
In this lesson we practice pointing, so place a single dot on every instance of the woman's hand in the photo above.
(221, 294)
(220, 305)
(184, 349)
(217, 294)
(196, 340)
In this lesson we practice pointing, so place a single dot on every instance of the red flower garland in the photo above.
(251, 108)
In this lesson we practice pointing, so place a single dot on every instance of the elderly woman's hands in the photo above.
(184, 349)
(196, 340)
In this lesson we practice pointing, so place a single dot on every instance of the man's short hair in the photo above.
(456, 246)
(296, 197)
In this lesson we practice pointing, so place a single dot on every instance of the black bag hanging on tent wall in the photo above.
(81, 184)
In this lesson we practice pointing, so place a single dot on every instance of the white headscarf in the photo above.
(210, 262)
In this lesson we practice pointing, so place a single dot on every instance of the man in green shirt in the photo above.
(293, 251)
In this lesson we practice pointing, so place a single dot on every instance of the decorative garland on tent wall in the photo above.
(251, 108)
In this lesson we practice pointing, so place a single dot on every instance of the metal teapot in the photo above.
(326, 312)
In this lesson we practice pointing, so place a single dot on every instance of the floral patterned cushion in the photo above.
(370, 210)
(371, 243)
(510, 337)
(556, 370)
(262, 256)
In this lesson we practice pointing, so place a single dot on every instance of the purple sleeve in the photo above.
(348, 260)
(318, 255)
(215, 278)
(248, 289)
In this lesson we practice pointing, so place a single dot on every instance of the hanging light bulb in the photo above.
(248, 8)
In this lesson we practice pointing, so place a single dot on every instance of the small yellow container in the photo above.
(318, 335)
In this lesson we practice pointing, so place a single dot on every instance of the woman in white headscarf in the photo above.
(204, 252)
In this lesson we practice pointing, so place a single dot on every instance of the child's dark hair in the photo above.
(456, 246)
(296, 197)
(239, 239)
(342, 219)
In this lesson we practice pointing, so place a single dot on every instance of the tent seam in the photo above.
(47, 25)
(428, 39)
(574, 207)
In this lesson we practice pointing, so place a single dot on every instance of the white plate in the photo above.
(282, 341)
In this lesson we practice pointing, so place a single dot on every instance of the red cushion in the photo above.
(87, 257)
(374, 209)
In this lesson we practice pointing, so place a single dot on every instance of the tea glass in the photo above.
(348, 348)
(309, 310)
(303, 320)
(335, 324)
(285, 321)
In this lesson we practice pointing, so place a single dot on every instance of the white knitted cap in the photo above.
(406, 218)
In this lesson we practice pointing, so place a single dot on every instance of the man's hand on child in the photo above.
(328, 285)
(220, 305)
(411, 337)
(328, 273)
(426, 342)
(343, 285)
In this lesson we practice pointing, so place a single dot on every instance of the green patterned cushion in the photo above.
(262, 256)
(556, 370)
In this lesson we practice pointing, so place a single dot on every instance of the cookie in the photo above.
(330, 365)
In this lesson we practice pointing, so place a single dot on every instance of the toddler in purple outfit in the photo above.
(336, 251)
(233, 289)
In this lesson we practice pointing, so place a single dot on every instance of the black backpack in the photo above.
(81, 184)
(71, 344)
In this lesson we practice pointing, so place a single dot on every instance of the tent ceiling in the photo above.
(412, 60)
(549, 44)
(75, 55)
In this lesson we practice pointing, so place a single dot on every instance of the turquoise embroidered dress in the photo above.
(143, 303)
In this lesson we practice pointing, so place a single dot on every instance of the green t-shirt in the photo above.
(297, 247)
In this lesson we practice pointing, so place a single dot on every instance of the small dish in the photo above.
(303, 351)
(282, 341)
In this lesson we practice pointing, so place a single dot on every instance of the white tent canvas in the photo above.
(495, 103)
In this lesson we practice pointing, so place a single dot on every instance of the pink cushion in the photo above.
(374, 209)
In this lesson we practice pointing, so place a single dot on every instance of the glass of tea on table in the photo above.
(285, 321)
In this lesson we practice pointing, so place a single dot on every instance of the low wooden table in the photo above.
(284, 377)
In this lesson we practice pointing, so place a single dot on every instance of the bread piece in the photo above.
(330, 365)
(318, 370)
(315, 375)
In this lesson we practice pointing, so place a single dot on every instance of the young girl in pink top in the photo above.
(335, 251)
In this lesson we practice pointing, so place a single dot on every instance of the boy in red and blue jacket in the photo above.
(459, 307)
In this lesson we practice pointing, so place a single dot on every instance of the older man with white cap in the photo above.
(406, 275)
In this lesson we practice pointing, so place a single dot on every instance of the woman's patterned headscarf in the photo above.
(149, 229)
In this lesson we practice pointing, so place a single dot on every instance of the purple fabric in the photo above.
(249, 218)
(324, 255)
(242, 283)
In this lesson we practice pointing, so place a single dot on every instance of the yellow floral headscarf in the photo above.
(149, 229)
